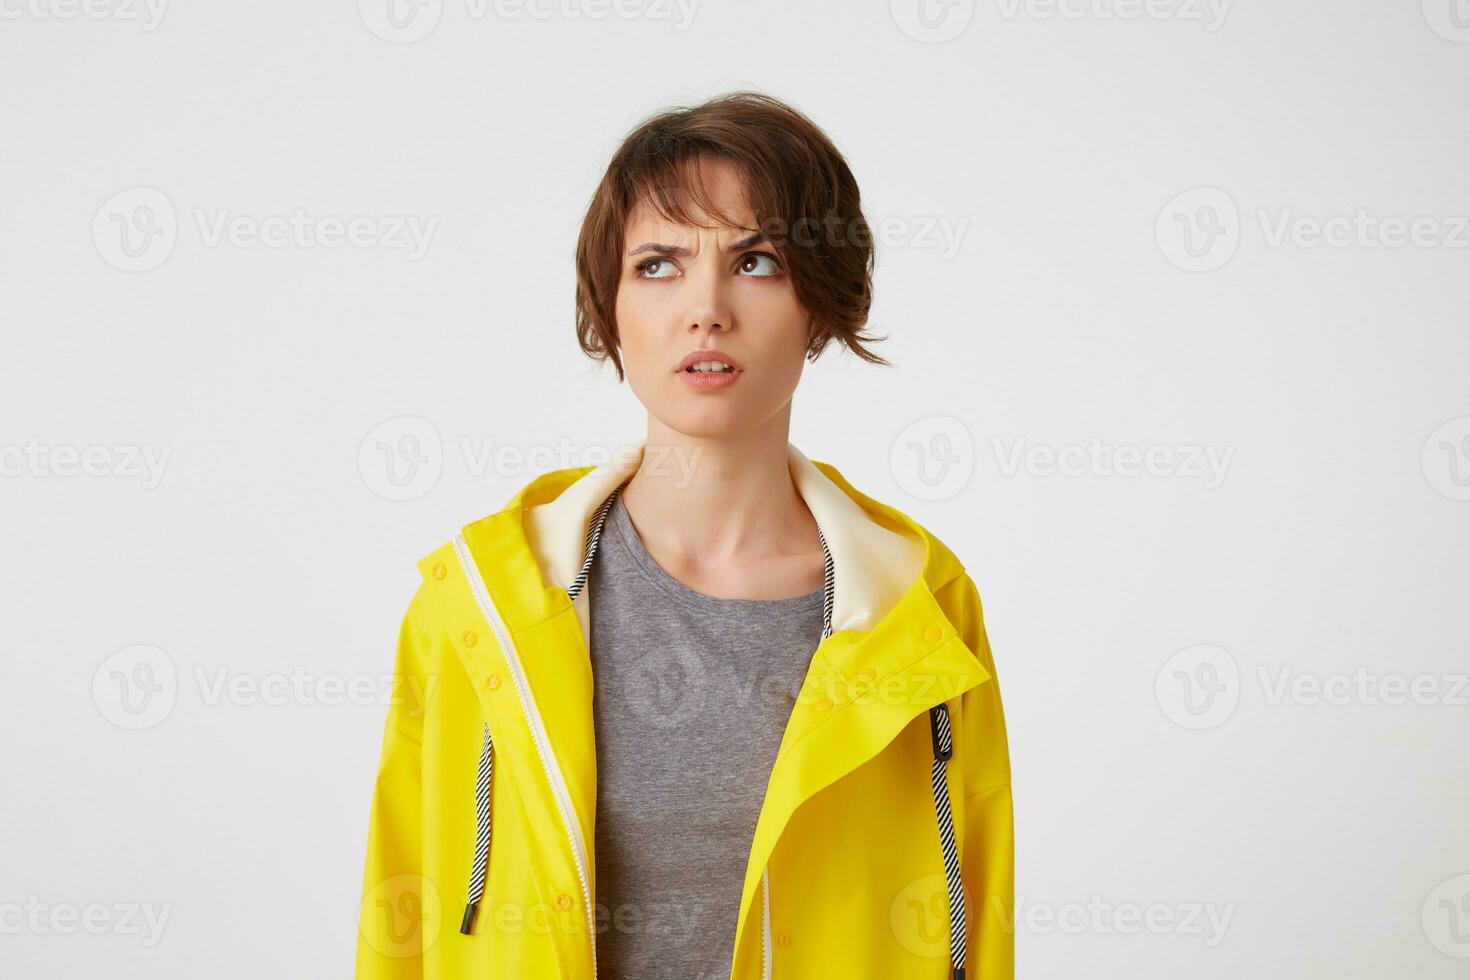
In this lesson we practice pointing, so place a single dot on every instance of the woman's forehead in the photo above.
(701, 194)
(646, 219)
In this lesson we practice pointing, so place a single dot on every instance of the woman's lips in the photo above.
(710, 380)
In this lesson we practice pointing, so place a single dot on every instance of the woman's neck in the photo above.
(722, 515)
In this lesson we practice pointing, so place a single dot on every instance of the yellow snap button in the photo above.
(933, 633)
(493, 682)
(564, 902)
(823, 704)
(783, 939)
(867, 675)
(470, 639)
(439, 570)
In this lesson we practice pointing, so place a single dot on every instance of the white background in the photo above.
(1332, 835)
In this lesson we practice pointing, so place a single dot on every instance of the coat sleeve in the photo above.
(988, 859)
(397, 900)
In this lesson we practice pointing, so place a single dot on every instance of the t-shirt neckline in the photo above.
(627, 536)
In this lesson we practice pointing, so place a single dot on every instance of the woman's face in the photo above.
(709, 294)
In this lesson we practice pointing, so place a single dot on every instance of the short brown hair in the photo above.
(798, 185)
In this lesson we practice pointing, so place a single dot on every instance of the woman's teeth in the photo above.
(717, 366)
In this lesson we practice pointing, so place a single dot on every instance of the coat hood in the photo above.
(878, 552)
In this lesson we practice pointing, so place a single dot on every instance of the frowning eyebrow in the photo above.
(680, 251)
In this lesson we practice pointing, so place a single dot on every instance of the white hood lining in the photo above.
(874, 566)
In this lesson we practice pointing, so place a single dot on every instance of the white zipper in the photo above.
(766, 923)
(538, 730)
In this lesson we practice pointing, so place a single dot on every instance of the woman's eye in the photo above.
(651, 269)
(760, 264)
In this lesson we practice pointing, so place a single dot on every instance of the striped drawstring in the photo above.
(829, 572)
(939, 724)
(482, 834)
(943, 749)
(487, 762)
(594, 537)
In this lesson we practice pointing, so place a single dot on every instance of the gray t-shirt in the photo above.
(691, 698)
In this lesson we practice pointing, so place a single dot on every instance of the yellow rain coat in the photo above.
(488, 777)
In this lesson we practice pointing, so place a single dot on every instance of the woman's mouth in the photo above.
(710, 375)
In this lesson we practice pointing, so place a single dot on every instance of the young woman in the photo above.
(705, 710)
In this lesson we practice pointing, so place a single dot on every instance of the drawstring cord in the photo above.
(829, 572)
(482, 834)
(594, 537)
(943, 750)
(939, 725)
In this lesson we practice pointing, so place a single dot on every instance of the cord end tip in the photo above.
(467, 924)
